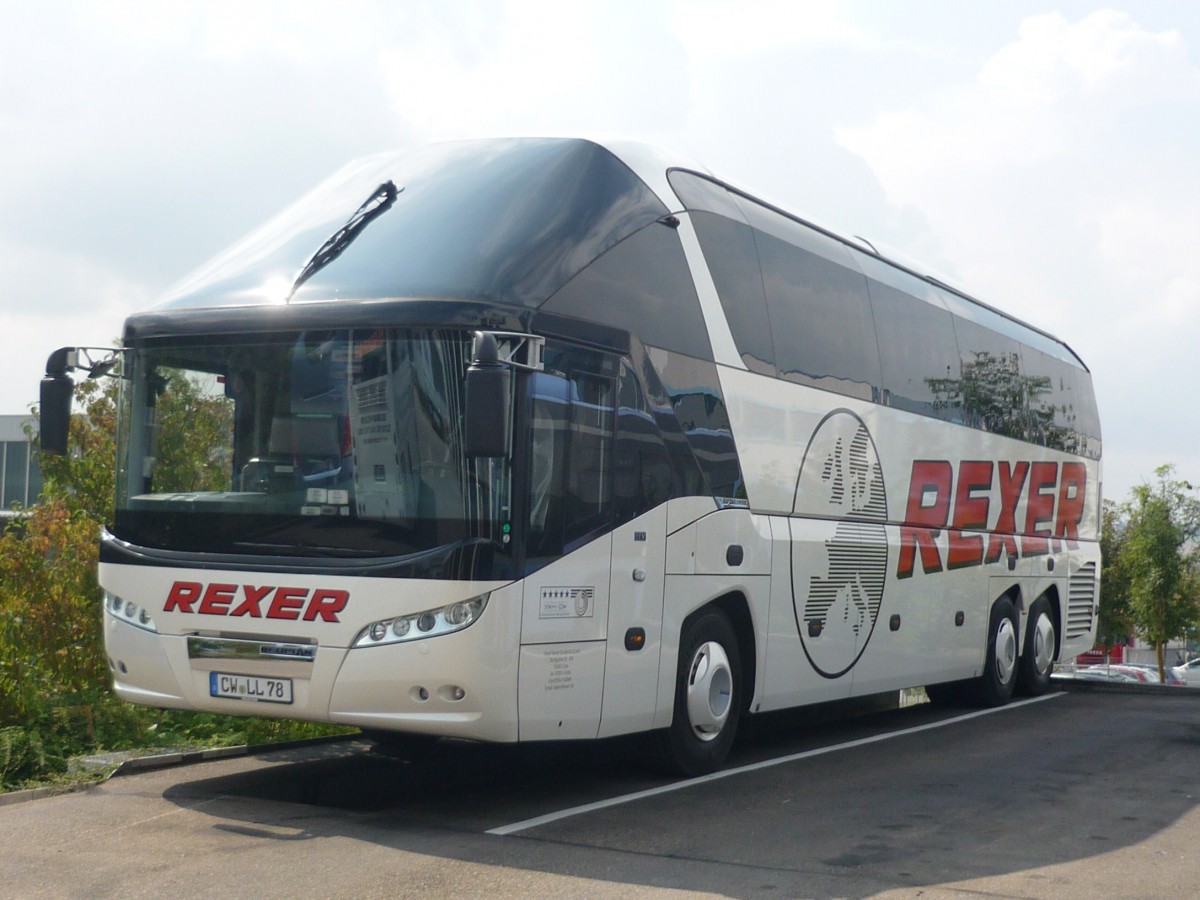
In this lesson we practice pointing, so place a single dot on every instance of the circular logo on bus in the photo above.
(839, 545)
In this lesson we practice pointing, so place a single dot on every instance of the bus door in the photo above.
(568, 540)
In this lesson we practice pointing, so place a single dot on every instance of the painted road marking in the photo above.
(537, 821)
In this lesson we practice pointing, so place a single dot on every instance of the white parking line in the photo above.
(537, 821)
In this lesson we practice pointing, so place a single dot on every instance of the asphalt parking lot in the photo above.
(1088, 792)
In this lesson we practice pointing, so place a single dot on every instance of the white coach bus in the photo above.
(543, 439)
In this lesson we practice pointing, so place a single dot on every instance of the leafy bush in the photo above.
(55, 696)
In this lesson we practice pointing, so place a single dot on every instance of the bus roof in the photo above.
(505, 222)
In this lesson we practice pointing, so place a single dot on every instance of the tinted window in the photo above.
(987, 389)
(1011, 328)
(729, 251)
(507, 221)
(644, 286)
(334, 444)
(571, 451)
(733, 263)
(1089, 416)
(686, 476)
(700, 193)
(699, 409)
(821, 321)
(15, 456)
(779, 225)
(917, 352)
(642, 472)
(1056, 418)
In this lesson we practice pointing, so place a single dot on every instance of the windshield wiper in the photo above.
(377, 204)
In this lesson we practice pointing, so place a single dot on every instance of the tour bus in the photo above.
(552, 439)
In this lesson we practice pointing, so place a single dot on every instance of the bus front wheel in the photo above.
(708, 689)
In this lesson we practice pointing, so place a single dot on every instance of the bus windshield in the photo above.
(331, 444)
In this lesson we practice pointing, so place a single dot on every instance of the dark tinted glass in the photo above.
(507, 221)
(642, 285)
(1054, 407)
(699, 407)
(988, 388)
(917, 352)
(571, 450)
(642, 471)
(337, 444)
(729, 250)
(1011, 328)
(821, 321)
(733, 262)
(778, 225)
(1089, 415)
(702, 194)
(16, 457)
(687, 479)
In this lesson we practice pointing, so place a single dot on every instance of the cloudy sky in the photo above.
(1044, 155)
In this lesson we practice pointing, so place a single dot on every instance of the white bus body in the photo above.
(753, 465)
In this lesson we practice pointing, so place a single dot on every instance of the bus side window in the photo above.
(820, 313)
(571, 459)
(642, 477)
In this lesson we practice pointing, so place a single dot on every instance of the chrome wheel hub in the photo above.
(1043, 644)
(1005, 651)
(709, 691)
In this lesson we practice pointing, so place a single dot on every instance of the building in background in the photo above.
(20, 476)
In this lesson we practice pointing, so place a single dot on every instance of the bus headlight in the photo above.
(425, 624)
(129, 612)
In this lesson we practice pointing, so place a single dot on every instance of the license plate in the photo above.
(250, 687)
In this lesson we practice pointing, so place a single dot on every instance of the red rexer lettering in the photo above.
(289, 603)
(1054, 498)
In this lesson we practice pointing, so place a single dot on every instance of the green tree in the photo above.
(1159, 559)
(1116, 618)
(54, 679)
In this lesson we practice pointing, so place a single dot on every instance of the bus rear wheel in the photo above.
(1037, 660)
(708, 690)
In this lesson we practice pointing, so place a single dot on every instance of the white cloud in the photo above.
(1039, 99)
(712, 28)
(1054, 59)
(54, 299)
(538, 67)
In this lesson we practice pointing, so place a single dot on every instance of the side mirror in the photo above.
(487, 423)
(54, 411)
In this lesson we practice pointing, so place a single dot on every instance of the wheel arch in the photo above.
(1014, 596)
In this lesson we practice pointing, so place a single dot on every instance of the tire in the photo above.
(708, 697)
(995, 686)
(1037, 659)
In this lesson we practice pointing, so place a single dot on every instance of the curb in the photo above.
(1083, 686)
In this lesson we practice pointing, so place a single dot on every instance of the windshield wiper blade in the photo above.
(377, 204)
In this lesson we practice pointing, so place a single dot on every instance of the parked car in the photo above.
(1189, 672)
(1095, 673)
(1136, 673)
(1172, 679)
